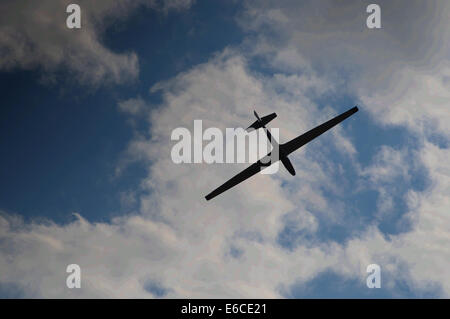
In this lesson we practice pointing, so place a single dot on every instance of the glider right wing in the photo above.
(296, 143)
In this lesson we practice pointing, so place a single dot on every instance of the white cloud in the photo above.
(389, 164)
(133, 106)
(35, 36)
(415, 98)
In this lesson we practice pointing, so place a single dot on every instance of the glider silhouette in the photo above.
(283, 149)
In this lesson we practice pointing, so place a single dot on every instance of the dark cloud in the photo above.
(35, 35)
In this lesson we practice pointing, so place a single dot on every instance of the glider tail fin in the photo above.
(261, 122)
(257, 116)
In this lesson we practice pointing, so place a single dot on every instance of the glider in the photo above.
(283, 149)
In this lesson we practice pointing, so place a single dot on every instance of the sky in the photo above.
(86, 175)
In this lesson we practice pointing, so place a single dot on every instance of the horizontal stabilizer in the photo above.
(261, 122)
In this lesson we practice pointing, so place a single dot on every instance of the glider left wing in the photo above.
(242, 176)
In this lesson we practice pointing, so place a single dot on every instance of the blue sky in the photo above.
(85, 179)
